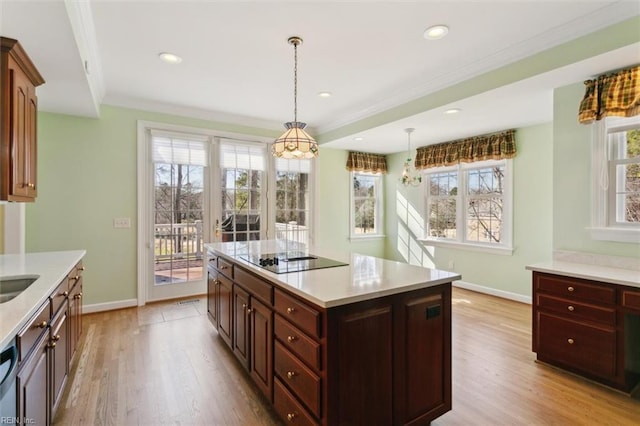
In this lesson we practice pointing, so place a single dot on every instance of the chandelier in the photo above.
(409, 177)
(295, 142)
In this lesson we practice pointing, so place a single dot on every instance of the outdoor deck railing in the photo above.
(178, 240)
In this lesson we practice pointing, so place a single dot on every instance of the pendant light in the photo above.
(295, 143)
(409, 177)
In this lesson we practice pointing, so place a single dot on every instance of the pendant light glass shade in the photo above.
(409, 176)
(295, 143)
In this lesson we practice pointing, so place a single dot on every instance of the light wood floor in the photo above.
(164, 364)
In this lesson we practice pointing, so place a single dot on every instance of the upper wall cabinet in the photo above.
(18, 123)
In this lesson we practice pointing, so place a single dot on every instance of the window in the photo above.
(470, 204)
(242, 167)
(293, 200)
(366, 205)
(616, 180)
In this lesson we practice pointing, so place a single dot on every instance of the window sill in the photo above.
(621, 235)
(483, 248)
(367, 237)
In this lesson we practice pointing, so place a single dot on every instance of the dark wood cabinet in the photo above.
(240, 335)
(261, 344)
(213, 290)
(380, 361)
(75, 310)
(59, 357)
(45, 346)
(225, 309)
(586, 327)
(18, 118)
(33, 383)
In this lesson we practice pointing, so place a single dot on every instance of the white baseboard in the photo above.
(109, 306)
(493, 292)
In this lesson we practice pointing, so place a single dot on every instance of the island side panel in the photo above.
(392, 360)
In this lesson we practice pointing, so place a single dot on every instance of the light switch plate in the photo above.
(122, 222)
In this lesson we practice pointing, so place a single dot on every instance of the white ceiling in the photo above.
(238, 67)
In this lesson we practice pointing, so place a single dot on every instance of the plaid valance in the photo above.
(365, 162)
(495, 146)
(616, 94)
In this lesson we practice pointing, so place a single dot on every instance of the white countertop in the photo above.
(626, 277)
(52, 268)
(366, 277)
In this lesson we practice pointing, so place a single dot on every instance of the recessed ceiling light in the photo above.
(436, 32)
(452, 111)
(170, 58)
(358, 138)
(325, 94)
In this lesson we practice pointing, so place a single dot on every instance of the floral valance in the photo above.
(495, 146)
(616, 94)
(365, 162)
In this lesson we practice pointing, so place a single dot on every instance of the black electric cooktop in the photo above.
(282, 263)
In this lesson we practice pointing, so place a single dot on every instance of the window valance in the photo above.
(496, 146)
(365, 162)
(615, 94)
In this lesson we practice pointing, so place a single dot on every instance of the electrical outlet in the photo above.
(122, 222)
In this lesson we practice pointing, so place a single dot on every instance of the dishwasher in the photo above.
(8, 391)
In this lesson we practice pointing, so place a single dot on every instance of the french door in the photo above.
(193, 187)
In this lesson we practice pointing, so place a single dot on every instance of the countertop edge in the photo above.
(327, 304)
(618, 276)
(45, 289)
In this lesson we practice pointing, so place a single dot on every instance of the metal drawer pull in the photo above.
(570, 341)
(51, 345)
(64, 294)
(291, 416)
(570, 288)
(291, 339)
(43, 324)
(249, 310)
(291, 374)
(571, 308)
(291, 310)
(244, 306)
(81, 268)
(55, 338)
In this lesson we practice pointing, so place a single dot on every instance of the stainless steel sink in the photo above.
(11, 287)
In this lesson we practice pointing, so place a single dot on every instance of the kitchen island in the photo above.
(368, 342)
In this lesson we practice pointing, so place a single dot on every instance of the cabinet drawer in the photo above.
(257, 287)
(302, 316)
(574, 288)
(299, 378)
(29, 335)
(586, 348)
(577, 311)
(288, 408)
(58, 296)
(294, 340)
(225, 267)
(630, 299)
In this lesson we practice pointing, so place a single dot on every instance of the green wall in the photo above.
(572, 182)
(532, 225)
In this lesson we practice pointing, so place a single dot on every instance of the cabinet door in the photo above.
(212, 296)
(32, 382)
(75, 317)
(423, 355)
(225, 309)
(261, 330)
(58, 354)
(240, 336)
(23, 135)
